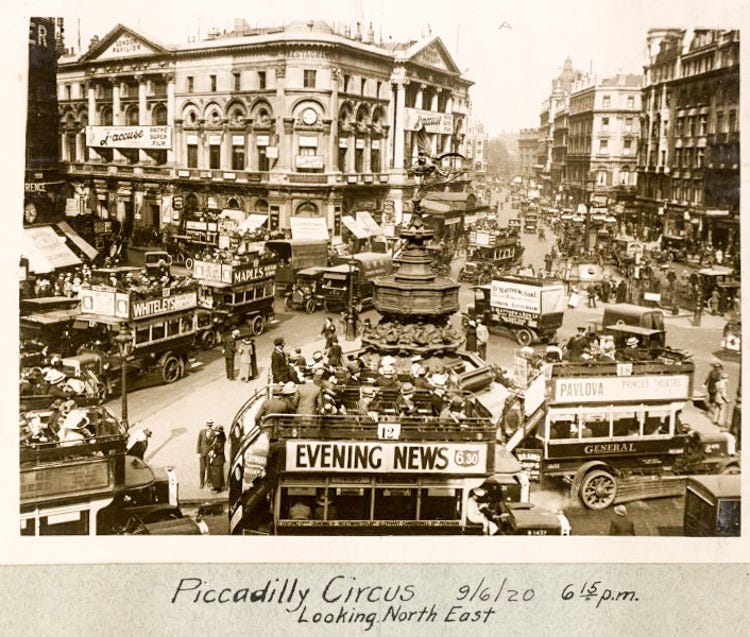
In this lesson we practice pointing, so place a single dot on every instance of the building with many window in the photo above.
(689, 166)
(528, 139)
(476, 146)
(292, 122)
(603, 132)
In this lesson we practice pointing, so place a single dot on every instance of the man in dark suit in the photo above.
(230, 347)
(621, 524)
(279, 362)
(205, 440)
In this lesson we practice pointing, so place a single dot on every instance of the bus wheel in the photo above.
(310, 306)
(524, 337)
(189, 263)
(258, 324)
(172, 369)
(288, 303)
(484, 279)
(598, 490)
(208, 339)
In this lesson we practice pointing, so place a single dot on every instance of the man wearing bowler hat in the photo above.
(621, 524)
(230, 348)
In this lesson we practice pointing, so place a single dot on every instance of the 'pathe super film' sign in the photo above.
(433, 122)
(385, 457)
(156, 137)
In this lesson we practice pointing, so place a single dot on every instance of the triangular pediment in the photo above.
(122, 42)
(432, 54)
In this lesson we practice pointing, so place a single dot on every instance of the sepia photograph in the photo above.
(351, 269)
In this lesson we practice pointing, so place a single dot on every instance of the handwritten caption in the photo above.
(344, 599)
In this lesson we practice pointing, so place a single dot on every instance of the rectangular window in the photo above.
(213, 83)
(214, 156)
(342, 159)
(732, 122)
(190, 84)
(238, 157)
(698, 193)
(375, 160)
(603, 146)
(378, 86)
(363, 86)
(605, 124)
(236, 81)
(700, 154)
(261, 80)
(677, 158)
(359, 160)
(679, 126)
(605, 101)
(628, 124)
(192, 156)
(719, 123)
(627, 147)
(158, 331)
(309, 78)
(346, 83)
(703, 125)
(631, 101)
(262, 159)
(663, 161)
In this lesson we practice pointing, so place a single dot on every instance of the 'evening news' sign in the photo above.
(620, 389)
(384, 457)
(516, 297)
(129, 137)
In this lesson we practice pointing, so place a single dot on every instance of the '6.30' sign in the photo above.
(466, 458)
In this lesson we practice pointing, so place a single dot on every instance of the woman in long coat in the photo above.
(216, 460)
(245, 351)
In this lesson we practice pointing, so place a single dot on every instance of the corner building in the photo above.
(300, 121)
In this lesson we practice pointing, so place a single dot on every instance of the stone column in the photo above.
(351, 150)
(171, 117)
(288, 160)
(420, 95)
(366, 164)
(449, 104)
(142, 113)
(434, 101)
(117, 156)
(333, 109)
(398, 125)
(93, 117)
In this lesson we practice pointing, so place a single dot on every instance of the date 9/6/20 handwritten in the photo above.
(594, 592)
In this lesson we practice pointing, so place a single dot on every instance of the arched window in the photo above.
(191, 202)
(307, 209)
(159, 115)
(261, 206)
(106, 115)
(233, 203)
(131, 116)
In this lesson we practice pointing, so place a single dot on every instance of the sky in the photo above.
(512, 67)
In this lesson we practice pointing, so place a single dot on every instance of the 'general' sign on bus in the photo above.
(384, 457)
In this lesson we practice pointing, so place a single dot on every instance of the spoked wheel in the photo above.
(208, 339)
(524, 337)
(310, 306)
(598, 490)
(288, 303)
(484, 279)
(189, 263)
(258, 324)
(172, 369)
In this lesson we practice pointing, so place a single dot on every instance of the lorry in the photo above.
(531, 308)
(352, 282)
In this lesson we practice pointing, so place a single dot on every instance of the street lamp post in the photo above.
(124, 347)
(351, 322)
(589, 195)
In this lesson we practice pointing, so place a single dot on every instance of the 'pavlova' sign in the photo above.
(129, 137)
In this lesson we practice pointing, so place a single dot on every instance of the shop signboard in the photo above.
(518, 297)
(433, 122)
(331, 456)
(158, 137)
(310, 162)
(163, 305)
(531, 461)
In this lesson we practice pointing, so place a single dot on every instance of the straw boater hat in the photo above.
(439, 380)
(387, 370)
(407, 389)
(288, 389)
(632, 341)
(317, 356)
(53, 377)
(387, 361)
(76, 419)
(621, 510)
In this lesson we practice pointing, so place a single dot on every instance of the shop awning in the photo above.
(364, 218)
(253, 222)
(231, 213)
(84, 246)
(429, 205)
(46, 250)
(309, 228)
(354, 227)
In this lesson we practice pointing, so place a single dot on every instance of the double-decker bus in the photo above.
(608, 421)
(240, 290)
(87, 485)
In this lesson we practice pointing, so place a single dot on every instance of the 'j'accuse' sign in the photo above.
(129, 137)
(384, 457)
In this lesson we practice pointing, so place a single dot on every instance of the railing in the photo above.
(99, 443)
(661, 361)
(365, 427)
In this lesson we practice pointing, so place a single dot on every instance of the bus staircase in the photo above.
(398, 248)
(527, 427)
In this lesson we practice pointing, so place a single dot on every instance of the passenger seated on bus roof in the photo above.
(561, 429)
(319, 512)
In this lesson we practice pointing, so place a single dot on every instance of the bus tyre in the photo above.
(172, 368)
(598, 490)
(258, 324)
(524, 337)
(208, 339)
(484, 279)
(288, 303)
(310, 306)
(731, 470)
